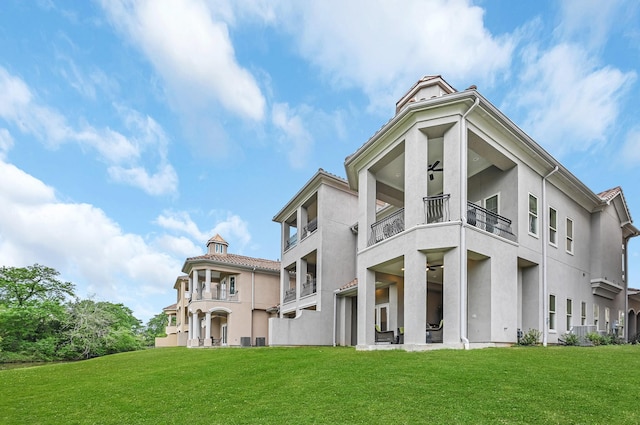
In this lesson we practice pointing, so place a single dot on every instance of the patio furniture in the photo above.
(384, 336)
(434, 333)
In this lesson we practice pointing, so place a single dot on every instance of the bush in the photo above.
(570, 339)
(531, 337)
(596, 339)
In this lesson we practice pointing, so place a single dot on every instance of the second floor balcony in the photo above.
(489, 221)
(436, 210)
(308, 287)
(289, 295)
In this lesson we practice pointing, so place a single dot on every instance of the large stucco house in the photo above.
(455, 229)
(223, 299)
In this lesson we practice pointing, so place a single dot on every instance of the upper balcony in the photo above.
(436, 210)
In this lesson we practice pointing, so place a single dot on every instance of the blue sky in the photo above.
(132, 131)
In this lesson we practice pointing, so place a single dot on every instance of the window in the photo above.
(232, 285)
(583, 313)
(553, 226)
(569, 236)
(607, 318)
(569, 313)
(533, 215)
(552, 312)
(596, 315)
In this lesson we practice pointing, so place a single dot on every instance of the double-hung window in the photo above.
(583, 313)
(552, 312)
(596, 315)
(569, 236)
(533, 215)
(553, 226)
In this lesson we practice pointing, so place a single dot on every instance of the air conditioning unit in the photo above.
(245, 341)
(260, 341)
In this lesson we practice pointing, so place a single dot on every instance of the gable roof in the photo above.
(615, 196)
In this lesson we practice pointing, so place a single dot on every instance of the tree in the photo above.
(31, 311)
(95, 329)
(156, 327)
(20, 286)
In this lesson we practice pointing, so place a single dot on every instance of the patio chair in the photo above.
(384, 336)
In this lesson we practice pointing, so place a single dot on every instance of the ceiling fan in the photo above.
(433, 168)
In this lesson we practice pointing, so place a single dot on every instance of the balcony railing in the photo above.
(291, 242)
(310, 228)
(308, 287)
(488, 221)
(218, 294)
(387, 227)
(289, 295)
(436, 208)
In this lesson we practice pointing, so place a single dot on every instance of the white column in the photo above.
(190, 326)
(415, 297)
(207, 332)
(207, 284)
(195, 292)
(196, 328)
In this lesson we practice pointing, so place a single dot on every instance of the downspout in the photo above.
(545, 242)
(463, 221)
(335, 312)
(253, 297)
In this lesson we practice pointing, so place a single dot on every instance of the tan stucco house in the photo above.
(223, 298)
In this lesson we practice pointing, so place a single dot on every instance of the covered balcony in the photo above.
(490, 222)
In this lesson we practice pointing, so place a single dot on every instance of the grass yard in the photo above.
(325, 385)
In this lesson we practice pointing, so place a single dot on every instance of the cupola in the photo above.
(216, 245)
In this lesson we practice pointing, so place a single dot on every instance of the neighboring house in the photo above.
(171, 340)
(318, 256)
(634, 314)
(468, 233)
(223, 299)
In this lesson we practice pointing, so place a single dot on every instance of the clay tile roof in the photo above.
(351, 284)
(608, 195)
(170, 307)
(217, 238)
(240, 260)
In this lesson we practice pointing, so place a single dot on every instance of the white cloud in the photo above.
(590, 21)
(295, 138)
(192, 50)
(79, 240)
(123, 154)
(383, 47)
(6, 143)
(570, 101)
(230, 226)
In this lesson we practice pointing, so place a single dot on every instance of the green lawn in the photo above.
(567, 385)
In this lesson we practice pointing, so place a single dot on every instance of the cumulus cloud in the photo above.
(382, 48)
(190, 47)
(232, 227)
(570, 101)
(78, 240)
(123, 154)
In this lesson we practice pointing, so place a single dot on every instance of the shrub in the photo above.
(596, 339)
(531, 337)
(571, 339)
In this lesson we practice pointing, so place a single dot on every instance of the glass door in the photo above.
(382, 317)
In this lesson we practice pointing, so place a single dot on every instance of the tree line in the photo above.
(42, 319)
